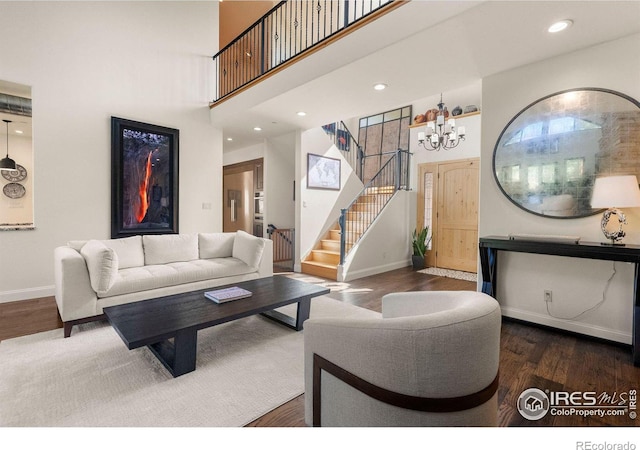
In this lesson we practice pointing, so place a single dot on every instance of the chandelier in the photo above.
(441, 134)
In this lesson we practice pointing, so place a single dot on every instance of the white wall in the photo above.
(318, 209)
(86, 62)
(387, 243)
(279, 178)
(256, 151)
(577, 284)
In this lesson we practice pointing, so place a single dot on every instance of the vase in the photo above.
(418, 262)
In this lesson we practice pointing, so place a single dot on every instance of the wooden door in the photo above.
(457, 219)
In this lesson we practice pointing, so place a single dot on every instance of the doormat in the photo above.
(467, 276)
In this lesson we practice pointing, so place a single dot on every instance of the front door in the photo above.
(448, 204)
(457, 229)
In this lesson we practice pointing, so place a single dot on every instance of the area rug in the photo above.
(244, 369)
(467, 276)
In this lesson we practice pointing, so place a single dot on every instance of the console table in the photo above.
(490, 245)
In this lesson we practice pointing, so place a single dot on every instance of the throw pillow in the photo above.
(248, 248)
(129, 251)
(102, 263)
(215, 245)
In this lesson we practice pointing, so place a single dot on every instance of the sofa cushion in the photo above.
(137, 279)
(129, 251)
(248, 248)
(168, 248)
(102, 263)
(215, 245)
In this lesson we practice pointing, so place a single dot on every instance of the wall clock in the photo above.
(14, 190)
(13, 176)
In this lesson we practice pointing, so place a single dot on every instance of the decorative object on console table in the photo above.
(144, 178)
(613, 193)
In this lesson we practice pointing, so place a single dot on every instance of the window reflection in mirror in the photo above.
(548, 156)
(16, 199)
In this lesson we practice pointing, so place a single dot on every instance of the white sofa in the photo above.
(91, 275)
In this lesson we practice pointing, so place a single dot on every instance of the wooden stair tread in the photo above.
(320, 264)
(322, 250)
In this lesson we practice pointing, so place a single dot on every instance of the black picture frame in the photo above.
(144, 178)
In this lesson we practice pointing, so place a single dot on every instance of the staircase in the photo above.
(324, 259)
(330, 251)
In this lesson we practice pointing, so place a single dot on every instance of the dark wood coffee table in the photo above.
(169, 325)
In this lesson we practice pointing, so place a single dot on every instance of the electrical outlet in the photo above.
(547, 296)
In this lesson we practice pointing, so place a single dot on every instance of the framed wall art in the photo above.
(323, 172)
(144, 178)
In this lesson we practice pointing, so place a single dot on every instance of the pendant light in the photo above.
(7, 163)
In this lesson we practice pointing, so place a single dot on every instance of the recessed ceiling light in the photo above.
(229, 139)
(560, 25)
(379, 86)
(301, 113)
(19, 131)
(257, 129)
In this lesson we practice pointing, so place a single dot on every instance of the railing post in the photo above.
(408, 171)
(346, 13)
(342, 221)
(262, 46)
(398, 169)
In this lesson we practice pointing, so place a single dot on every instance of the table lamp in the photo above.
(620, 191)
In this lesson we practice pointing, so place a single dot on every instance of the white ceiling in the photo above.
(419, 50)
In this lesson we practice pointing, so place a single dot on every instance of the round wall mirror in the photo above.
(548, 156)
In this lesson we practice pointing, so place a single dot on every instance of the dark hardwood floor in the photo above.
(530, 356)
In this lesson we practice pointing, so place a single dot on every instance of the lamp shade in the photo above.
(619, 191)
(8, 164)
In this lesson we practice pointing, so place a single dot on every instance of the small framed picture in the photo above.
(323, 172)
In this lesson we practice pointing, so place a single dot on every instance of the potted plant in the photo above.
(420, 244)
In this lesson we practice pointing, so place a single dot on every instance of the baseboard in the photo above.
(27, 294)
(355, 274)
(575, 327)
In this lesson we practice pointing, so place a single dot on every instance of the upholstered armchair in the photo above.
(430, 360)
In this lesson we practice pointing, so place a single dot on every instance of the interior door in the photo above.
(457, 219)
(237, 203)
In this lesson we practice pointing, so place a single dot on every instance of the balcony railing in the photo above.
(347, 144)
(290, 29)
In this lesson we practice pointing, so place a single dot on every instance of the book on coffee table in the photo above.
(227, 294)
